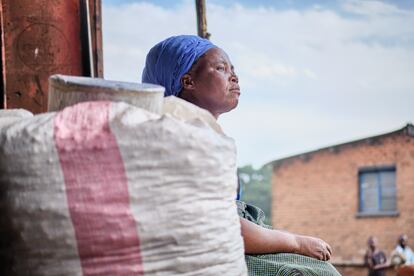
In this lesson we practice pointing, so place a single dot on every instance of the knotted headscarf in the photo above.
(169, 60)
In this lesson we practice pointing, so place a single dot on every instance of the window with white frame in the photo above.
(377, 190)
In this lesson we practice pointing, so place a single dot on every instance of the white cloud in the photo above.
(310, 74)
(130, 30)
(309, 78)
(371, 7)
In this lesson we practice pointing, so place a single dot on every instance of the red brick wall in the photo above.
(318, 195)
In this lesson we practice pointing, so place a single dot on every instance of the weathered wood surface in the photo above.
(41, 38)
(201, 19)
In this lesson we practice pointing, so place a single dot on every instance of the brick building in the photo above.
(347, 192)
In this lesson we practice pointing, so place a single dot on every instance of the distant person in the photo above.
(404, 250)
(375, 259)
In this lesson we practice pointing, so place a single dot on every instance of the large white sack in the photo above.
(8, 116)
(111, 189)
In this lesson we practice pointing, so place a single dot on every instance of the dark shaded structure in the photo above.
(45, 37)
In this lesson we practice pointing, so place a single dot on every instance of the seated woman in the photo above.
(199, 72)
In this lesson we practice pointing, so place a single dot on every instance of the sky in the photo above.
(312, 73)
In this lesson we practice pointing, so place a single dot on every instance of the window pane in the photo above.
(378, 191)
(388, 204)
(388, 194)
(388, 191)
(387, 178)
(369, 192)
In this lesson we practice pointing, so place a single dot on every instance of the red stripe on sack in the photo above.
(97, 191)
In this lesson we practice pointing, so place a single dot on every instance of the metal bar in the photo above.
(379, 192)
(89, 32)
(361, 193)
(2, 63)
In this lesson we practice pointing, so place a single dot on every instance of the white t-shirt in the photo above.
(407, 252)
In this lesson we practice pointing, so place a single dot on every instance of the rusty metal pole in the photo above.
(201, 19)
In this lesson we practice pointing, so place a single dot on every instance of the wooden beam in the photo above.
(97, 40)
(201, 19)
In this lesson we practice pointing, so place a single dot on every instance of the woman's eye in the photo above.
(221, 68)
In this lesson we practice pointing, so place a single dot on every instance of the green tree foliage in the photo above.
(256, 188)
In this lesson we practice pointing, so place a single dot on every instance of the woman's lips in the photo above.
(235, 90)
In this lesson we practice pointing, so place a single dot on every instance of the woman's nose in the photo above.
(234, 78)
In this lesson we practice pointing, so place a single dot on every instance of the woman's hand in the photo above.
(313, 247)
(259, 240)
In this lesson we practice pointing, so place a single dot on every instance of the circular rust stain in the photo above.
(42, 47)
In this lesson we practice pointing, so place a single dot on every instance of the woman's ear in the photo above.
(187, 82)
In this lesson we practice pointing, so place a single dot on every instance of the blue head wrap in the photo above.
(169, 60)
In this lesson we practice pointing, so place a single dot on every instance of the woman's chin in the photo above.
(233, 105)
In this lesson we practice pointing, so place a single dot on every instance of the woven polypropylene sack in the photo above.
(9, 116)
(105, 188)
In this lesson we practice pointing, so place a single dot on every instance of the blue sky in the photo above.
(312, 73)
(278, 4)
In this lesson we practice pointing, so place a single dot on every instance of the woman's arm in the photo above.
(260, 240)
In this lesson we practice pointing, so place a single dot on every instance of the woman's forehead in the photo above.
(218, 54)
(213, 56)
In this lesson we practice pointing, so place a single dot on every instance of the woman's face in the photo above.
(211, 83)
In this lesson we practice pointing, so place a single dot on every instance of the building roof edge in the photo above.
(408, 129)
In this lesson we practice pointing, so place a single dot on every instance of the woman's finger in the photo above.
(329, 249)
(322, 256)
(328, 256)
